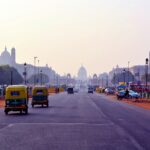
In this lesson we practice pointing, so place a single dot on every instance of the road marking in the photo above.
(10, 125)
(91, 124)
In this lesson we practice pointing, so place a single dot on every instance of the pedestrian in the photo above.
(127, 93)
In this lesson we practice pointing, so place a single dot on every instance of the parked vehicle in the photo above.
(70, 90)
(16, 99)
(109, 91)
(40, 96)
(90, 90)
(76, 90)
(131, 94)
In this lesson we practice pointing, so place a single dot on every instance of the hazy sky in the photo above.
(67, 33)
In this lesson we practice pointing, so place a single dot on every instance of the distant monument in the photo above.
(82, 74)
(8, 59)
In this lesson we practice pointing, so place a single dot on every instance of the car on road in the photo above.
(132, 94)
(109, 91)
(76, 89)
(70, 90)
(90, 90)
(16, 99)
(40, 96)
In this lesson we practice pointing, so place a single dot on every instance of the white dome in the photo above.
(5, 54)
(82, 74)
(5, 57)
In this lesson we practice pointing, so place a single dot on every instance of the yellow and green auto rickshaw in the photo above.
(16, 99)
(40, 96)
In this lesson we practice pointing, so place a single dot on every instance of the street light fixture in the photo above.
(38, 71)
(128, 73)
(25, 73)
(41, 76)
(11, 76)
(35, 70)
(146, 72)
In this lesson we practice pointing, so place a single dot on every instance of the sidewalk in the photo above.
(144, 103)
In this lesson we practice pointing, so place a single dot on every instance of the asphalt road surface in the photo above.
(77, 122)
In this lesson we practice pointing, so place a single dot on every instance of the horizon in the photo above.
(64, 34)
(73, 75)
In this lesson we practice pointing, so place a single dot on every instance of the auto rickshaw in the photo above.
(40, 96)
(16, 99)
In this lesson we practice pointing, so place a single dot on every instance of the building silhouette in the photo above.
(7, 58)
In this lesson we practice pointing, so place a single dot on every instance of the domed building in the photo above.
(82, 74)
(6, 58)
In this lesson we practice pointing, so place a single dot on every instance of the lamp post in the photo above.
(38, 71)
(128, 73)
(25, 73)
(35, 70)
(41, 76)
(124, 78)
(11, 77)
(146, 72)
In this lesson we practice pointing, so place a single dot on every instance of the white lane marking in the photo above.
(92, 124)
(10, 125)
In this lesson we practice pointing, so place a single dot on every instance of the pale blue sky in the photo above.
(67, 33)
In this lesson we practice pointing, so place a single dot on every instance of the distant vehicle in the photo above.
(132, 94)
(76, 90)
(40, 96)
(90, 90)
(70, 90)
(109, 91)
(16, 99)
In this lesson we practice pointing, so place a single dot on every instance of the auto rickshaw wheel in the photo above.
(6, 112)
(26, 111)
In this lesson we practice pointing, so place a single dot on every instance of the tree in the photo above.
(9, 75)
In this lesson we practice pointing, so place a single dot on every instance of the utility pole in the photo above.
(25, 73)
(38, 71)
(11, 77)
(128, 73)
(35, 70)
(146, 72)
(41, 77)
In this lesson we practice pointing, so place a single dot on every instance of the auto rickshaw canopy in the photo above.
(16, 92)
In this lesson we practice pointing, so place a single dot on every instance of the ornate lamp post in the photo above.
(128, 73)
(35, 70)
(146, 72)
(25, 73)
(11, 77)
(41, 76)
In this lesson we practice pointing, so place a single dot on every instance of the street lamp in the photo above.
(124, 71)
(25, 73)
(11, 76)
(146, 72)
(38, 71)
(128, 73)
(41, 76)
(34, 69)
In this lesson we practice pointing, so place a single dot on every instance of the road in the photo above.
(77, 122)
